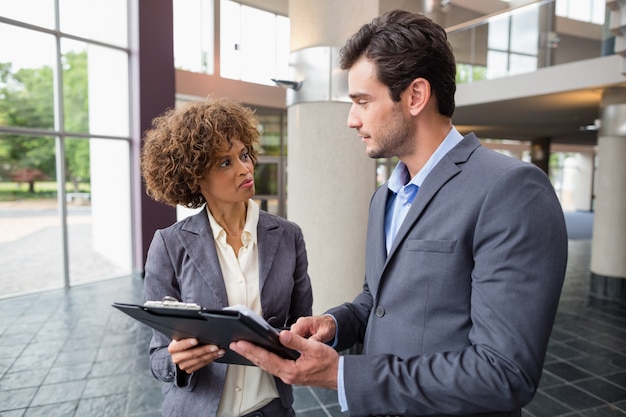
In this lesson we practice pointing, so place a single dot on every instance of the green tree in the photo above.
(27, 100)
(76, 117)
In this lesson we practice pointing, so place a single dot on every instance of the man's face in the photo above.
(379, 121)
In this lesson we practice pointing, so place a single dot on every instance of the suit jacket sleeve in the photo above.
(160, 281)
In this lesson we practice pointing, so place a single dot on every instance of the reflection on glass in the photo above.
(499, 33)
(26, 78)
(497, 64)
(525, 32)
(101, 20)
(521, 64)
(98, 209)
(36, 12)
(31, 253)
(95, 89)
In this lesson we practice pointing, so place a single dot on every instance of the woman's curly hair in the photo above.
(184, 144)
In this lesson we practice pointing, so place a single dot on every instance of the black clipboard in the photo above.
(218, 327)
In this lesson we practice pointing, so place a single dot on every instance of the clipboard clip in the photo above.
(171, 302)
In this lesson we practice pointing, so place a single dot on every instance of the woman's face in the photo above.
(232, 180)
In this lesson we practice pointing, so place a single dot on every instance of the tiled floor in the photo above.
(69, 353)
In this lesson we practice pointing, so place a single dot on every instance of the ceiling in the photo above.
(559, 116)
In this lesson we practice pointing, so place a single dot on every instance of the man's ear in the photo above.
(419, 91)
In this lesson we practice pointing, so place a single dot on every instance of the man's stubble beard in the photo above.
(393, 140)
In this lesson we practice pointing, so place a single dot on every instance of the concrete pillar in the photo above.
(608, 263)
(330, 180)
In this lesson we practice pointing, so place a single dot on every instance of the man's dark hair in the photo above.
(404, 46)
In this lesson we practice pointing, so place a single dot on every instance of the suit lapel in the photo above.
(446, 169)
(268, 237)
(376, 249)
(197, 238)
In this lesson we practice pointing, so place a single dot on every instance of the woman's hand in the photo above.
(190, 357)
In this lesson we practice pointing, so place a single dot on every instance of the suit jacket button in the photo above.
(380, 311)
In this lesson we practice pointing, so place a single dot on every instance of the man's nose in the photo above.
(353, 120)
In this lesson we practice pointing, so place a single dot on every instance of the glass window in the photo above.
(98, 209)
(519, 64)
(100, 20)
(580, 10)
(525, 31)
(497, 64)
(270, 126)
(35, 12)
(65, 213)
(266, 178)
(96, 89)
(584, 10)
(269, 174)
(498, 37)
(258, 46)
(254, 44)
(30, 253)
(230, 34)
(193, 35)
(520, 31)
(26, 78)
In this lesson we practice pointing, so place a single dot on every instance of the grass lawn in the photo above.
(11, 191)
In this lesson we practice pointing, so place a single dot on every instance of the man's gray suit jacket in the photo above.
(456, 319)
(182, 262)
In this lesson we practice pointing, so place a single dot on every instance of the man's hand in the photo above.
(317, 364)
(320, 328)
(190, 357)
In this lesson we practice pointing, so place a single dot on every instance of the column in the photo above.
(152, 65)
(608, 263)
(330, 180)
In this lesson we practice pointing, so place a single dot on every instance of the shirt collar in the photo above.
(400, 176)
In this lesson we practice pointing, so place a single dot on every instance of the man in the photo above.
(466, 251)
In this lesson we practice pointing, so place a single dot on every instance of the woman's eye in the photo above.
(245, 156)
(225, 163)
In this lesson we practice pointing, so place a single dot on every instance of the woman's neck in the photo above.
(232, 217)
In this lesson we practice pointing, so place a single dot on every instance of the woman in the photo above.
(204, 153)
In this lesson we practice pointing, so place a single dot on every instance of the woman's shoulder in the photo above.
(194, 223)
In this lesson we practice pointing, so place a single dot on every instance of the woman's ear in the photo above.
(419, 91)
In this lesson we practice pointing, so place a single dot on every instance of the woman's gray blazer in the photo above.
(182, 262)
